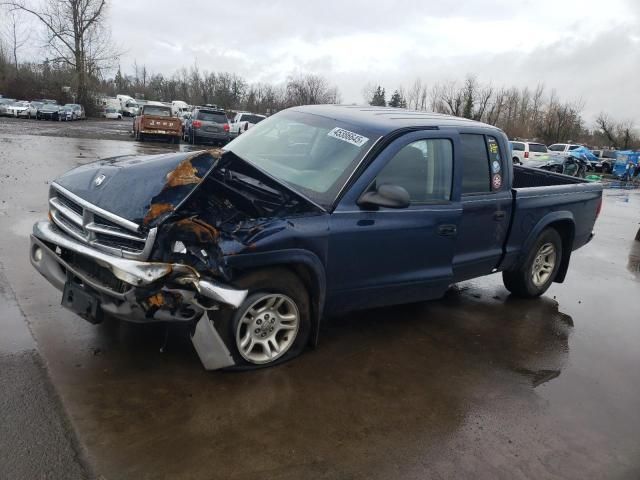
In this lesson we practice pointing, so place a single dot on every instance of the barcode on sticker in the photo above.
(347, 136)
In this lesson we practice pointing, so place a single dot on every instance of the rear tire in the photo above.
(539, 269)
(252, 329)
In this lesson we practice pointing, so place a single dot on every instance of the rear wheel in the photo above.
(273, 323)
(537, 272)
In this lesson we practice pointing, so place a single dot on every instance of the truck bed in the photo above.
(524, 177)
(540, 197)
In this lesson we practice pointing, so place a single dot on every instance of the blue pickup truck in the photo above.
(317, 210)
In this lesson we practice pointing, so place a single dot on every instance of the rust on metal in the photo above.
(156, 300)
(204, 233)
(183, 174)
(155, 210)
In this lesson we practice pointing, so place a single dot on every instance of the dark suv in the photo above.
(207, 124)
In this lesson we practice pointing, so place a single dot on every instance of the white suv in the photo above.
(563, 148)
(522, 152)
(243, 121)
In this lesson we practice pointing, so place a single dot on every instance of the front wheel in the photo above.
(272, 325)
(537, 272)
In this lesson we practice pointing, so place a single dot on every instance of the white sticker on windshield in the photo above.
(347, 136)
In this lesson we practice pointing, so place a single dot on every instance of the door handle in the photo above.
(499, 215)
(447, 230)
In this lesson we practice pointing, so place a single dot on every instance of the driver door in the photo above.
(382, 256)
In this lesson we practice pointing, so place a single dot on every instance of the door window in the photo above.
(424, 168)
(475, 164)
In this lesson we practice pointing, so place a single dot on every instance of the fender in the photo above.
(567, 237)
(293, 256)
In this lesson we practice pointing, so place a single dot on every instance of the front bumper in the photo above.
(137, 291)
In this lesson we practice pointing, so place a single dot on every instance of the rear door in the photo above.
(383, 256)
(486, 205)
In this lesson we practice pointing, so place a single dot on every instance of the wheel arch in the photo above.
(563, 222)
(302, 263)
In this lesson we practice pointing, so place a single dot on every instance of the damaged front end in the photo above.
(146, 239)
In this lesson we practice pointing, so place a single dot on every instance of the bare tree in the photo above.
(619, 134)
(16, 34)
(75, 33)
(310, 89)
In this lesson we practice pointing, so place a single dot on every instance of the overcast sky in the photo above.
(588, 49)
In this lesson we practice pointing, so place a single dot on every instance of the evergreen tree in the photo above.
(378, 99)
(119, 81)
(397, 100)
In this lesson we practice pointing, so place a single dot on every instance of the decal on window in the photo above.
(347, 136)
(496, 181)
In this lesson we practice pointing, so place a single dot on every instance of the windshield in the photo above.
(159, 111)
(217, 117)
(314, 155)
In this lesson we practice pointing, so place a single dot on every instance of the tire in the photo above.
(547, 250)
(515, 161)
(234, 326)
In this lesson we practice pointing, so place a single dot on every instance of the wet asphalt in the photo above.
(476, 385)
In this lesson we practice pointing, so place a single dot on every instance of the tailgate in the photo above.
(168, 124)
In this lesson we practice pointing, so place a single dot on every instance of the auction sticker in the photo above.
(495, 166)
(347, 136)
(496, 181)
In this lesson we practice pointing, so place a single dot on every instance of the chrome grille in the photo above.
(97, 227)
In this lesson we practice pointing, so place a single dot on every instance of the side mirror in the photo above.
(386, 195)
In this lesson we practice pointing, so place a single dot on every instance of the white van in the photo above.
(522, 152)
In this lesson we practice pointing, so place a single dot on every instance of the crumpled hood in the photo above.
(142, 189)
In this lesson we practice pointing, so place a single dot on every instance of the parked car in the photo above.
(66, 114)
(17, 109)
(522, 152)
(567, 165)
(112, 114)
(606, 160)
(32, 110)
(253, 248)
(4, 103)
(563, 148)
(155, 120)
(49, 111)
(78, 111)
(243, 121)
(207, 124)
(178, 107)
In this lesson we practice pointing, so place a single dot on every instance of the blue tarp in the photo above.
(584, 153)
